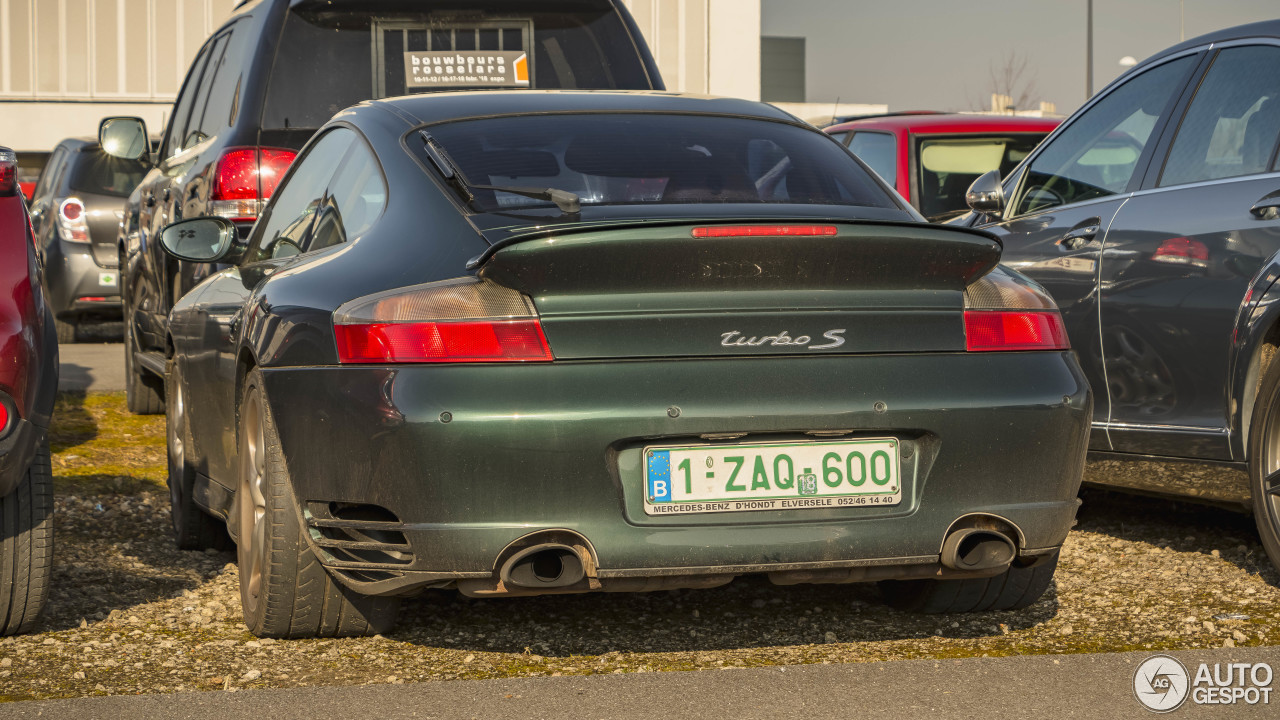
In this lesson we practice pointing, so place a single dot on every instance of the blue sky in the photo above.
(936, 54)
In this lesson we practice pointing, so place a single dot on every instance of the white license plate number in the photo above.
(783, 476)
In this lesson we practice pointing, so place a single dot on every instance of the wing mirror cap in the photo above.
(125, 137)
(986, 194)
(203, 240)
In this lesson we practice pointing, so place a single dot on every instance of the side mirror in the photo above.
(124, 137)
(201, 240)
(986, 194)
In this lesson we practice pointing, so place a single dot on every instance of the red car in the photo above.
(28, 384)
(932, 158)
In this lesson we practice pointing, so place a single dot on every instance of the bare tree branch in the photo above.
(1012, 78)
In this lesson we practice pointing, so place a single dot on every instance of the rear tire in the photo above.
(1014, 589)
(66, 331)
(1264, 463)
(143, 393)
(284, 590)
(26, 546)
(193, 527)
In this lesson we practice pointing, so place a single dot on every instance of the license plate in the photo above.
(782, 476)
(107, 279)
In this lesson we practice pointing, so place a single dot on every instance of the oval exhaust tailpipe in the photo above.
(543, 566)
(974, 549)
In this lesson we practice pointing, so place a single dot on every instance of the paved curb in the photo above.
(1027, 687)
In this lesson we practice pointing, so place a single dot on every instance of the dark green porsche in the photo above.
(519, 343)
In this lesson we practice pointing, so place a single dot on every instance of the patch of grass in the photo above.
(99, 446)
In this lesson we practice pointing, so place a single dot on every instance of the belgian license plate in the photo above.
(782, 476)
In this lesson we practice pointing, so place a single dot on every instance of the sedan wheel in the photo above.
(284, 590)
(26, 546)
(1264, 463)
(193, 527)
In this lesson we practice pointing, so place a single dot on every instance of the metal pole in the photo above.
(1182, 19)
(1088, 51)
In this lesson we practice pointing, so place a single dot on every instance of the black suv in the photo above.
(76, 210)
(279, 69)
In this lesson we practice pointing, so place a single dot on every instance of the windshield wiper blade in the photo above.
(568, 202)
(446, 167)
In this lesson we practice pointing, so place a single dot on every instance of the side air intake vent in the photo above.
(357, 535)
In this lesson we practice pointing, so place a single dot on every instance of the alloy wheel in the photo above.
(176, 425)
(1269, 500)
(252, 550)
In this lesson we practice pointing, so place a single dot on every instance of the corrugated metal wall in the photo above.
(119, 50)
(677, 35)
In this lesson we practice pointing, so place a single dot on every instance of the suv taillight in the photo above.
(8, 173)
(72, 224)
(1006, 313)
(460, 320)
(244, 180)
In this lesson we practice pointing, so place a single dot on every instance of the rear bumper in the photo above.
(73, 275)
(558, 446)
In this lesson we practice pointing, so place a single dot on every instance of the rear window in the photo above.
(643, 158)
(330, 59)
(97, 172)
(949, 165)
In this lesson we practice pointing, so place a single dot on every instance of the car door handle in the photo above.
(1080, 236)
(1268, 208)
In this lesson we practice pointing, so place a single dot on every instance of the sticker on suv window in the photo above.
(466, 68)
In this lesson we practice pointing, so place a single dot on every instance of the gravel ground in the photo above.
(131, 614)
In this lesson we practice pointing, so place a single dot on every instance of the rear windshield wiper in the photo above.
(568, 202)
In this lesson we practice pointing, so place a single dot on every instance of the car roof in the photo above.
(950, 123)
(444, 106)
(1265, 28)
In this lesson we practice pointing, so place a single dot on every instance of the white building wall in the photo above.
(704, 46)
(65, 64)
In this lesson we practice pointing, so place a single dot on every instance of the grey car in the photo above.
(75, 211)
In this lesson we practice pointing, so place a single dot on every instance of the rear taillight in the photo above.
(72, 223)
(1009, 330)
(460, 320)
(244, 180)
(1182, 251)
(727, 231)
(8, 173)
(1006, 312)
(4, 419)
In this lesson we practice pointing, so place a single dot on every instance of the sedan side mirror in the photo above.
(986, 194)
(124, 137)
(201, 240)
